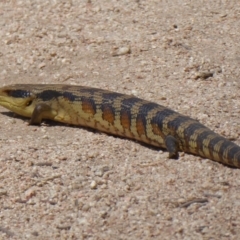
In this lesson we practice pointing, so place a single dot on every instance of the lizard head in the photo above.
(18, 98)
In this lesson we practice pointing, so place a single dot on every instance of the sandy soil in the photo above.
(62, 182)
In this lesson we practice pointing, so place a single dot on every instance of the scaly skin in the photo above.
(121, 115)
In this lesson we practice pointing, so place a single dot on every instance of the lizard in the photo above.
(119, 114)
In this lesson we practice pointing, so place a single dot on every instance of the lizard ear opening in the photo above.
(28, 103)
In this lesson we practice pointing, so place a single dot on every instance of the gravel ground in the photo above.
(62, 182)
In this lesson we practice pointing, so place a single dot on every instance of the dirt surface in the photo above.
(62, 182)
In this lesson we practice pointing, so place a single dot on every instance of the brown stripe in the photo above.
(140, 126)
(125, 119)
(88, 106)
(156, 130)
(108, 114)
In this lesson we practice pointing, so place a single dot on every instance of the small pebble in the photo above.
(121, 51)
(93, 185)
(41, 65)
